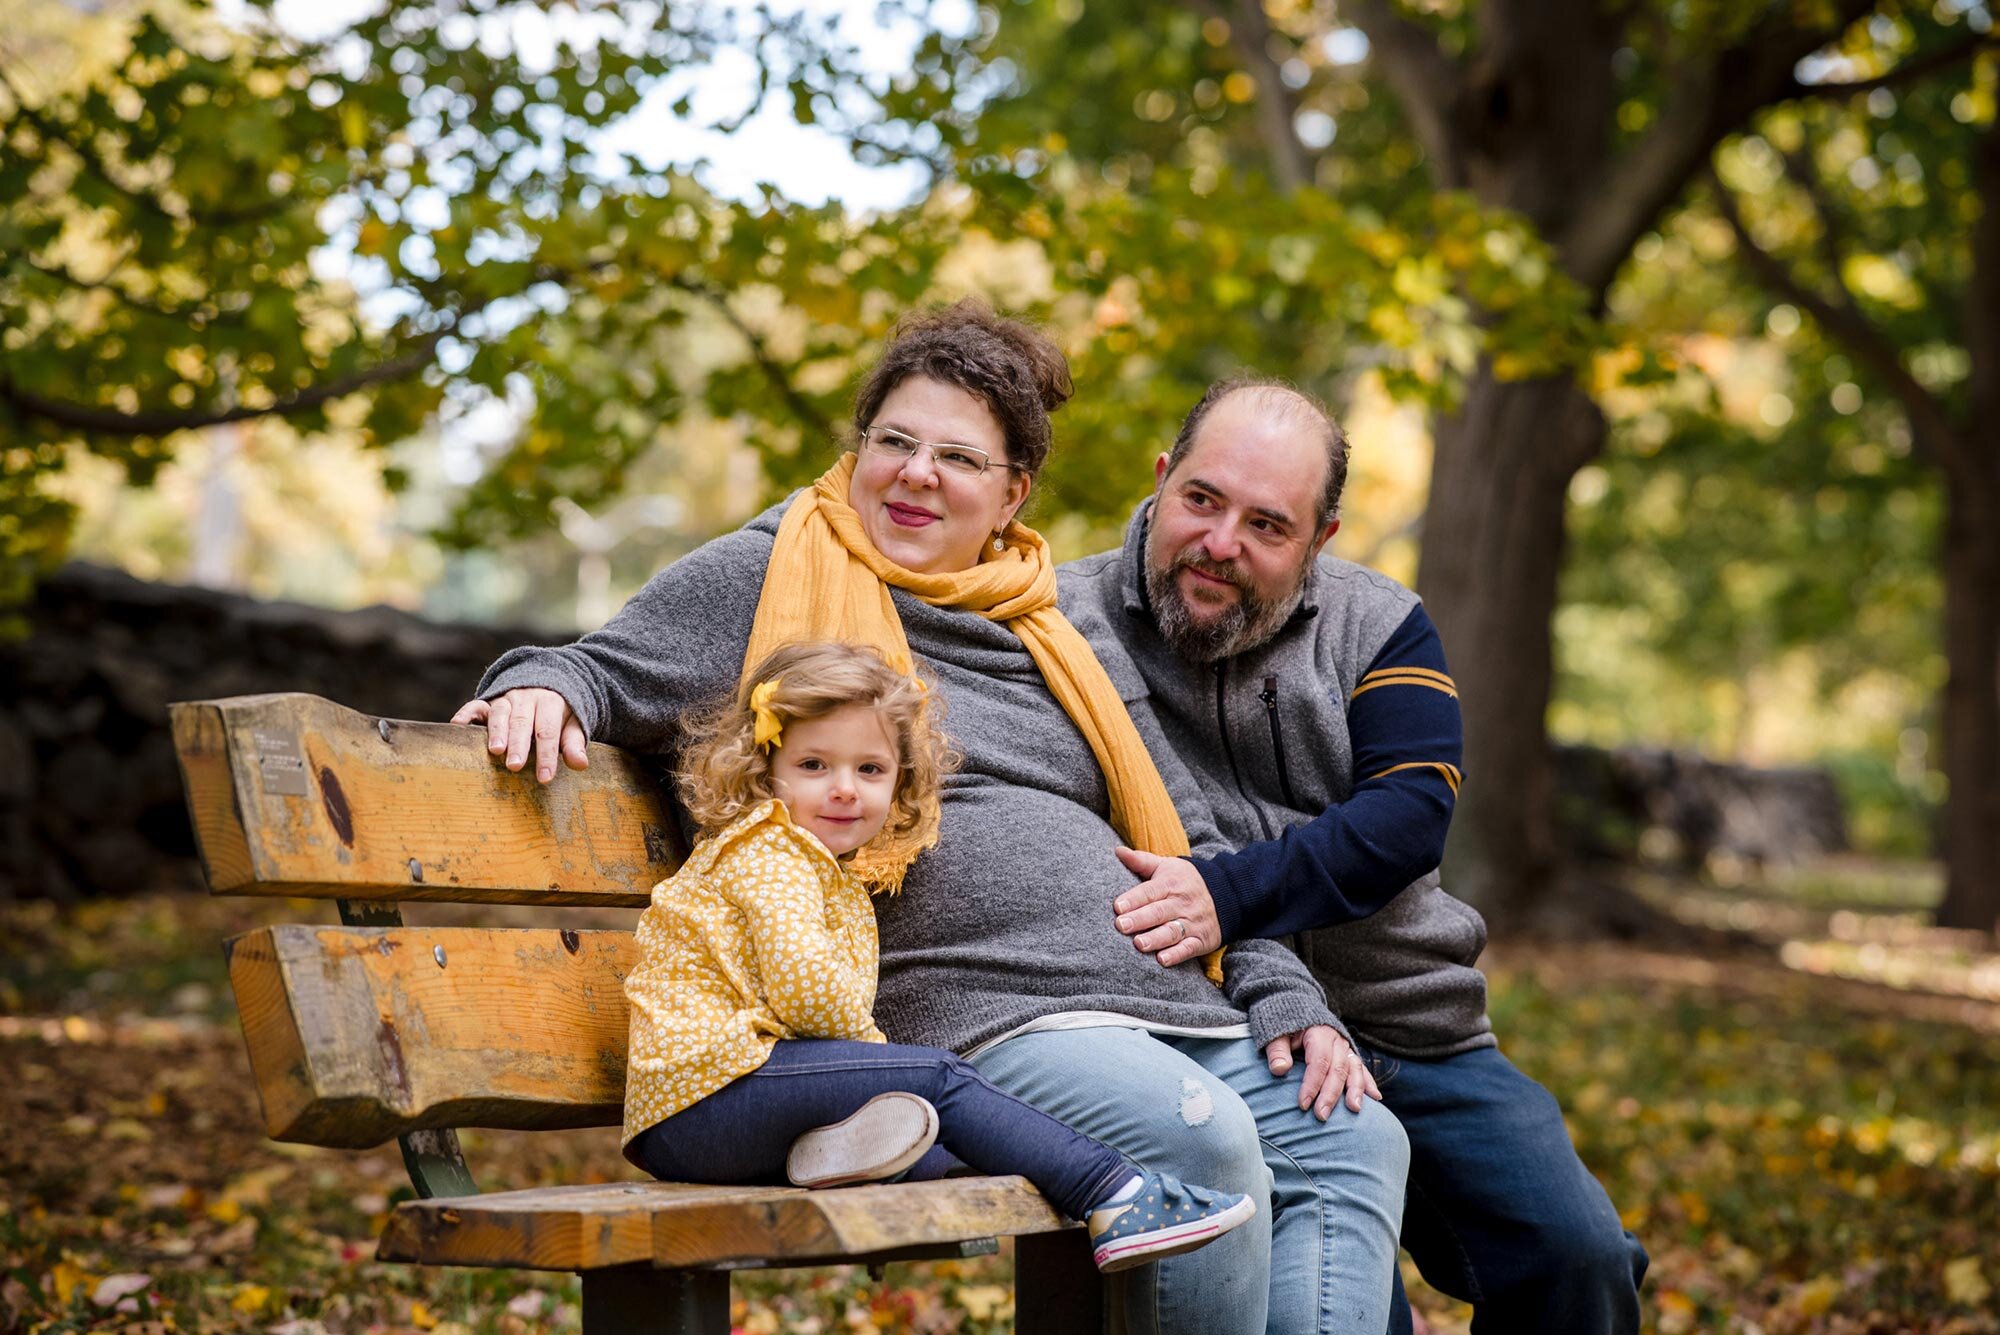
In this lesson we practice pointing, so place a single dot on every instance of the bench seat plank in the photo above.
(360, 1034)
(673, 1225)
(295, 795)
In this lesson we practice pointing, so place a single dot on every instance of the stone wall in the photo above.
(1692, 814)
(90, 798)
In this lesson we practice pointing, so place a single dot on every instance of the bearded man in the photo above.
(1310, 698)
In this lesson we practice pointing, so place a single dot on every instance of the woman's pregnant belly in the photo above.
(1012, 911)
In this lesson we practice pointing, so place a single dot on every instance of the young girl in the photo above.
(754, 1055)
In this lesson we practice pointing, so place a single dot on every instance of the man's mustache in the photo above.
(1236, 576)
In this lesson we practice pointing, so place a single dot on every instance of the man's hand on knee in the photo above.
(1333, 1069)
(1169, 914)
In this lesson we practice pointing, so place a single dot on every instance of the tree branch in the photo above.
(197, 314)
(1427, 82)
(161, 422)
(760, 353)
(1710, 102)
(1249, 34)
(1911, 70)
(1800, 171)
(1936, 437)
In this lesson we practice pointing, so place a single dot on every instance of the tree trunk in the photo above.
(1971, 716)
(1492, 552)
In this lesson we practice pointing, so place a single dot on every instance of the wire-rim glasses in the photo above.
(950, 457)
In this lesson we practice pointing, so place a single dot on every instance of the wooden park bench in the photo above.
(375, 1030)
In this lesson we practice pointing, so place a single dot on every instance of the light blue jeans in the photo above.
(1320, 1259)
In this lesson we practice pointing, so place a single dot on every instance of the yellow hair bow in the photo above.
(769, 725)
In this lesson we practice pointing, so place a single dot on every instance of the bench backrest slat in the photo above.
(295, 795)
(358, 1034)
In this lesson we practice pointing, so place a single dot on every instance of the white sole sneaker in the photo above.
(1140, 1248)
(884, 1137)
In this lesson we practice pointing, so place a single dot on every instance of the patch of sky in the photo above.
(763, 149)
(1345, 46)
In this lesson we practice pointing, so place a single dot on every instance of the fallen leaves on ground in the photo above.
(1798, 1159)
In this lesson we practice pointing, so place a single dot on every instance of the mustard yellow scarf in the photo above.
(827, 581)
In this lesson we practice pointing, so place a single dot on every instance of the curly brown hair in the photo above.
(724, 773)
(1017, 371)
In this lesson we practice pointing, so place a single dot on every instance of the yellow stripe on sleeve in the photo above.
(1411, 671)
(1437, 681)
(1452, 776)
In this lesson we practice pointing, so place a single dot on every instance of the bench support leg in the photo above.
(1057, 1291)
(644, 1301)
(436, 1164)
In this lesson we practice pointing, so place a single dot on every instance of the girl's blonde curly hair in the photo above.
(724, 773)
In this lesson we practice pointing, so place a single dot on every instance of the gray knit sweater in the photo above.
(1009, 918)
(1406, 979)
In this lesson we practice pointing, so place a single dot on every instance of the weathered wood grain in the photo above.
(358, 1034)
(795, 1226)
(681, 1226)
(201, 745)
(295, 795)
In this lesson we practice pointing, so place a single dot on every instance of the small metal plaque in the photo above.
(281, 762)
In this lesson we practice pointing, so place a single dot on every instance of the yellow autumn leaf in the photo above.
(1421, 282)
(981, 1301)
(1816, 1296)
(254, 1188)
(65, 1276)
(1677, 1313)
(1965, 1283)
(251, 1298)
(422, 1317)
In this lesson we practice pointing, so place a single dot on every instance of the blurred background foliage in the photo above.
(423, 306)
(1667, 335)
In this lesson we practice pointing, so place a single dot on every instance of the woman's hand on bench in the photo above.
(529, 717)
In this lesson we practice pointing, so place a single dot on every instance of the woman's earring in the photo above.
(998, 545)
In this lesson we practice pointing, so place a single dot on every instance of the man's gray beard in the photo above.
(1244, 624)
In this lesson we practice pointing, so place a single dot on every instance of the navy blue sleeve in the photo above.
(1354, 857)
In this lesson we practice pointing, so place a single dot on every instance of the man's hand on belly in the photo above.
(1169, 914)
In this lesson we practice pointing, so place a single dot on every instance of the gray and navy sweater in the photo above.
(1329, 758)
(1008, 919)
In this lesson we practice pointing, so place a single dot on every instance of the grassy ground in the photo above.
(1802, 1149)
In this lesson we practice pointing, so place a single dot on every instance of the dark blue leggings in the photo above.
(741, 1133)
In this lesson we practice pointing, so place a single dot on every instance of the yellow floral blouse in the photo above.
(761, 935)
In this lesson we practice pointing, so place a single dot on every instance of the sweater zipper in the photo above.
(1270, 699)
(1222, 728)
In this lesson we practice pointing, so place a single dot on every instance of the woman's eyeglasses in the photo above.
(963, 460)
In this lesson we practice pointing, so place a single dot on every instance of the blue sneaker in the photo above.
(1164, 1217)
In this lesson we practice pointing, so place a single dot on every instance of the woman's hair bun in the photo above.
(1015, 368)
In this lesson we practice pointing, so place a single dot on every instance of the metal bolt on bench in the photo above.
(374, 1030)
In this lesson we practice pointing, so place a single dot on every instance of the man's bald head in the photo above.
(1283, 402)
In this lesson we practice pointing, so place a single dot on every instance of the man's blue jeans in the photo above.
(740, 1133)
(1500, 1212)
(1319, 1259)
